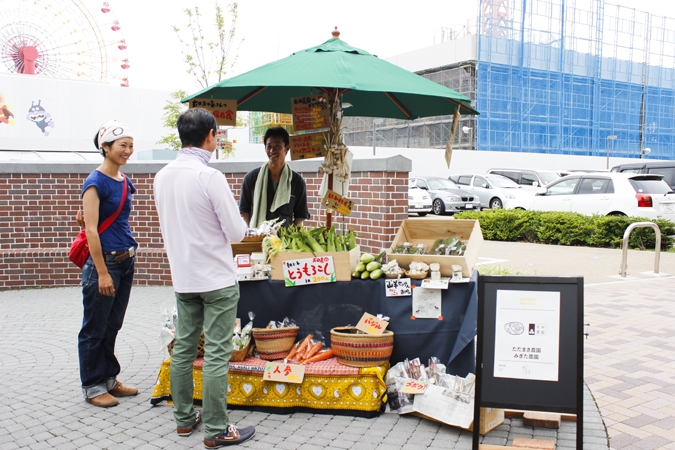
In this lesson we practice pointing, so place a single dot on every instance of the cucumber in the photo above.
(373, 265)
(360, 267)
(366, 258)
(356, 274)
(375, 274)
(365, 275)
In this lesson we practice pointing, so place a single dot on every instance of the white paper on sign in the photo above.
(426, 303)
(397, 287)
(527, 335)
(446, 405)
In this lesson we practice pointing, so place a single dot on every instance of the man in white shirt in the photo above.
(199, 219)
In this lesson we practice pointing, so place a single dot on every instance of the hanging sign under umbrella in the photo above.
(310, 113)
(310, 145)
(225, 111)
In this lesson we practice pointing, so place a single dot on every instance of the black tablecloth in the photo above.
(321, 307)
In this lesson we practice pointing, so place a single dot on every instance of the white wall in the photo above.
(77, 109)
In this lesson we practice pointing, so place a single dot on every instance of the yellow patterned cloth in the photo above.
(328, 385)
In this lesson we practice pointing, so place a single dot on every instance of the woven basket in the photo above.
(256, 238)
(200, 346)
(417, 276)
(274, 343)
(361, 350)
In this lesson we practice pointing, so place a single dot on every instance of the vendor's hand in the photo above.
(80, 218)
(105, 285)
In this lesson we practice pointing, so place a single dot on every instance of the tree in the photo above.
(207, 57)
(201, 53)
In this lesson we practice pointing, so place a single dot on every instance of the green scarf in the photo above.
(281, 196)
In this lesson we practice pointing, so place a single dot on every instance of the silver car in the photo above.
(493, 190)
(446, 196)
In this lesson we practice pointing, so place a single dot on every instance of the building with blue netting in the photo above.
(548, 76)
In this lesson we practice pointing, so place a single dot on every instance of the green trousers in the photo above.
(215, 311)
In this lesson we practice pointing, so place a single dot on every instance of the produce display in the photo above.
(369, 266)
(308, 351)
(312, 240)
(452, 246)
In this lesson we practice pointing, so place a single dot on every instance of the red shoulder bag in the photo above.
(79, 249)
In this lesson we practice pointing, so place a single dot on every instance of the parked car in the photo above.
(611, 194)
(528, 178)
(492, 190)
(446, 196)
(419, 200)
(665, 168)
(564, 173)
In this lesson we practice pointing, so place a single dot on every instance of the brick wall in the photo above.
(38, 203)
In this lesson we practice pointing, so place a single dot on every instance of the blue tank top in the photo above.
(117, 237)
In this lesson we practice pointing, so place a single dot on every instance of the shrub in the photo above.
(562, 228)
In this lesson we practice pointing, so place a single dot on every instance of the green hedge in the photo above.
(561, 228)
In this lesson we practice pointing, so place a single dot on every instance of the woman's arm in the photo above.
(91, 204)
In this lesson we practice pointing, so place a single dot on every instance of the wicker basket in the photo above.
(200, 346)
(361, 350)
(256, 238)
(417, 276)
(274, 343)
(394, 275)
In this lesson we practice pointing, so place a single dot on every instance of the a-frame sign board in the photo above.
(530, 346)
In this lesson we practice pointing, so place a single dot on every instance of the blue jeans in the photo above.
(214, 312)
(103, 317)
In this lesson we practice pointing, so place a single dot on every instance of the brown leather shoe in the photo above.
(187, 430)
(104, 400)
(121, 390)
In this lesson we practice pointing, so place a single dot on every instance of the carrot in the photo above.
(303, 346)
(294, 350)
(319, 357)
(313, 350)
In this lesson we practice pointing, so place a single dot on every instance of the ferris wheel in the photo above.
(63, 39)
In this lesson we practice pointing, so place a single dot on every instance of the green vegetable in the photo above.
(365, 275)
(356, 274)
(367, 257)
(375, 274)
(352, 240)
(360, 267)
(373, 265)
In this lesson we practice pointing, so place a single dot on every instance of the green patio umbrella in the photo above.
(348, 76)
(373, 87)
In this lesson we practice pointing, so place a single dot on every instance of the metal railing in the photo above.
(626, 237)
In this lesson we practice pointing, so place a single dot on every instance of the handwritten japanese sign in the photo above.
(415, 387)
(333, 200)
(225, 111)
(371, 324)
(310, 145)
(426, 303)
(299, 272)
(310, 113)
(286, 373)
(397, 287)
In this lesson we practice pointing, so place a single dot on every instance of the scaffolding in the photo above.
(426, 132)
(261, 121)
(554, 77)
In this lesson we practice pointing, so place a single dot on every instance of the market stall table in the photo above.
(321, 307)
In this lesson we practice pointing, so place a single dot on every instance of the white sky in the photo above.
(275, 29)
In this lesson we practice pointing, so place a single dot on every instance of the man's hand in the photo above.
(79, 217)
(105, 285)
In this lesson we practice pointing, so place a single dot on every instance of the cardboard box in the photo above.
(344, 262)
(490, 419)
(427, 230)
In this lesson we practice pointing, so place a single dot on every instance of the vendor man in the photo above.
(274, 190)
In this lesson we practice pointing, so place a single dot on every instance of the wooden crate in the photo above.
(344, 262)
(427, 230)
(246, 248)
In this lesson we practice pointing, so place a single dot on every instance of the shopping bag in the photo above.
(79, 249)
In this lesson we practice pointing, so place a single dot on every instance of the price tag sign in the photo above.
(310, 145)
(397, 287)
(371, 324)
(225, 111)
(285, 373)
(310, 113)
(415, 387)
(333, 200)
(299, 272)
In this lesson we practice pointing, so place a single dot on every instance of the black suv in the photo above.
(665, 168)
